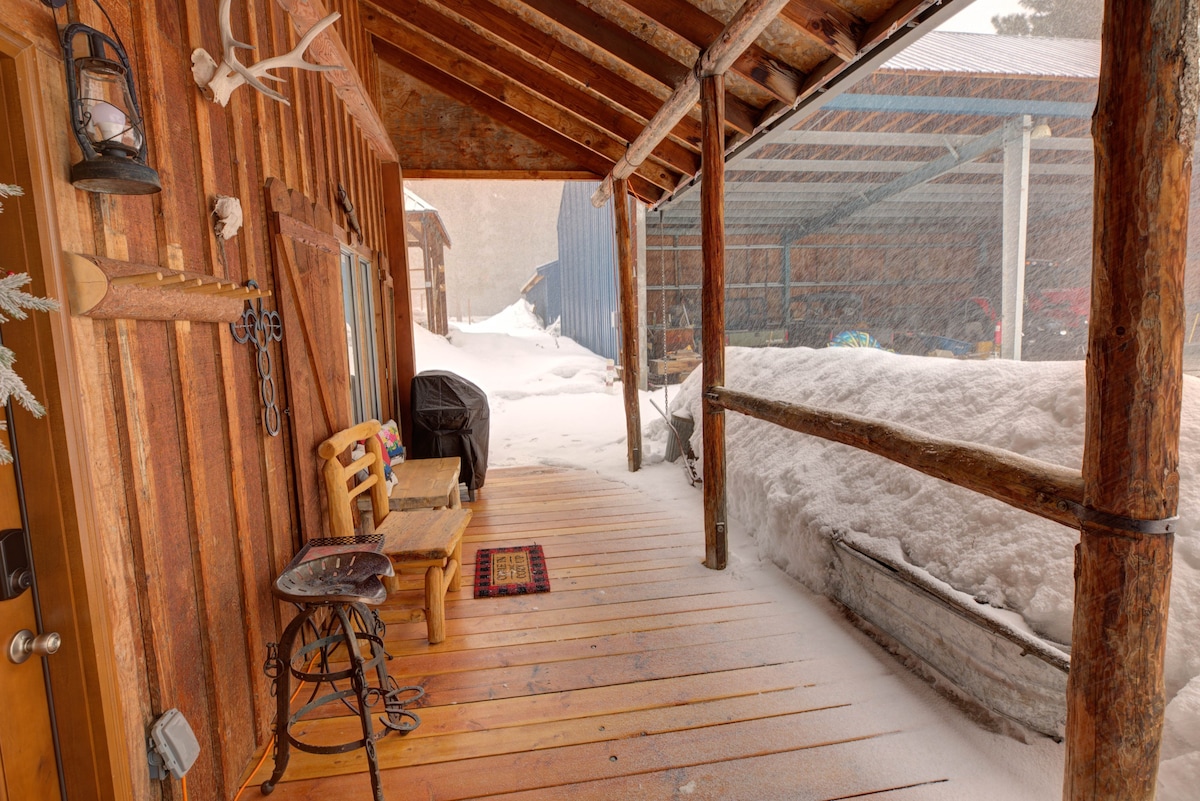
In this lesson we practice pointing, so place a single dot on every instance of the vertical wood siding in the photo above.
(193, 502)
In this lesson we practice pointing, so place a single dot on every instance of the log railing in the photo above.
(1047, 490)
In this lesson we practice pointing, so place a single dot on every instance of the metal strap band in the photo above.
(1165, 525)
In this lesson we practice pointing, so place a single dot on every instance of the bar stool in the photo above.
(343, 583)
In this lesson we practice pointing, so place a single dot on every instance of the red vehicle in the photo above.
(1056, 313)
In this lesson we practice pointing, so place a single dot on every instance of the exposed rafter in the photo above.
(465, 93)
(755, 64)
(328, 49)
(616, 78)
(745, 26)
(617, 90)
(450, 67)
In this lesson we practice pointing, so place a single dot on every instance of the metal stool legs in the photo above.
(349, 625)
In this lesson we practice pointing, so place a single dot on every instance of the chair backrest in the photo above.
(337, 477)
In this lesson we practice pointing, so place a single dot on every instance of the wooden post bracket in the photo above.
(111, 289)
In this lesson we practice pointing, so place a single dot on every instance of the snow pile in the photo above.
(794, 491)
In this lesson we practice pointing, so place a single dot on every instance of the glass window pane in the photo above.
(367, 348)
(349, 311)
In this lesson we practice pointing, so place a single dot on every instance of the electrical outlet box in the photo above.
(173, 746)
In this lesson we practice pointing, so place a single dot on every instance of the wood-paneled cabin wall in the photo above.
(194, 511)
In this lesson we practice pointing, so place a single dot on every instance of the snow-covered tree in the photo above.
(1064, 19)
(13, 303)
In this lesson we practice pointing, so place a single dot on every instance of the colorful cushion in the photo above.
(387, 462)
(390, 436)
(360, 450)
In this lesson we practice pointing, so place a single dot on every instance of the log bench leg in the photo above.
(435, 604)
(454, 567)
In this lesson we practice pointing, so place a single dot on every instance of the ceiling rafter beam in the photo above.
(755, 64)
(329, 49)
(506, 91)
(518, 33)
(835, 28)
(449, 31)
(880, 40)
(457, 89)
(624, 46)
(747, 23)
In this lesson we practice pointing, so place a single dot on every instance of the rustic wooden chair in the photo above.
(426, 540)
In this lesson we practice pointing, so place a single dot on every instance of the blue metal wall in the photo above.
(546, 295)
(586, 265)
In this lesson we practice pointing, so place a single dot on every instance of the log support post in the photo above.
(1143, 131)
(712, 304)
(627, 287)
(1016, 219)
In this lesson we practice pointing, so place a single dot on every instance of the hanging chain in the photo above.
(262, 328)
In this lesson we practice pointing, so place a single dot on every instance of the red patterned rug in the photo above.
(510, 571)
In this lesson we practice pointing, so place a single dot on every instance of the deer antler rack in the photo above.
(218, 82)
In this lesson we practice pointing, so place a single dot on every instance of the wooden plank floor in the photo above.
(641, 675)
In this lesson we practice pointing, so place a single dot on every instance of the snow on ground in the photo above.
(787, 493)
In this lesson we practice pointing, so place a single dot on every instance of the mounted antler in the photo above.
(218, 82)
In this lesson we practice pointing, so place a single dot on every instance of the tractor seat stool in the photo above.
(342, 582)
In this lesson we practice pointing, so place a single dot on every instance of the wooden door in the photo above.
(28, 769)
(308, 296)
(27, 759)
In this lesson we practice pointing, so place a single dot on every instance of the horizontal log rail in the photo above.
(1044, 489)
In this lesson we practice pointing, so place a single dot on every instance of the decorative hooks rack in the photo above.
(107, 288)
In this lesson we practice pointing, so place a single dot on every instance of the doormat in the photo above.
(510, 571)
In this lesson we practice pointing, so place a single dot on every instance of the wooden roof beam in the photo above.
(755, 64)
(450, 62)
(518, 33)
(425, 18)
(745, 26)
(454, 87)
(347, 83)
(626, 47)
(837, 29)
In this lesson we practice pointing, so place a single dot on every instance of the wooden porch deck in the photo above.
(641, 675)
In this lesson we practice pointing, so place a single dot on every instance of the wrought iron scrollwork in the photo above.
(263, 327)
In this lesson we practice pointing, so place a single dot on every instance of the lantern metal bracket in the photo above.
(263, 327)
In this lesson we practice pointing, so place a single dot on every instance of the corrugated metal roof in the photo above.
(981, 53)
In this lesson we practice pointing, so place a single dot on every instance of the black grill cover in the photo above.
(450, 418)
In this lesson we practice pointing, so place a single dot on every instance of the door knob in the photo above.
(25, 644)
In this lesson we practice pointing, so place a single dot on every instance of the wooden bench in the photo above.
(428, 540)
(425, 540)
(420, 484)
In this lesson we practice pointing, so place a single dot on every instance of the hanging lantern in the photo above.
(105, 117)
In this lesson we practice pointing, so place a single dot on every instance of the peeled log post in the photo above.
(627, 281)
(1143, 131)
(712, 312)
